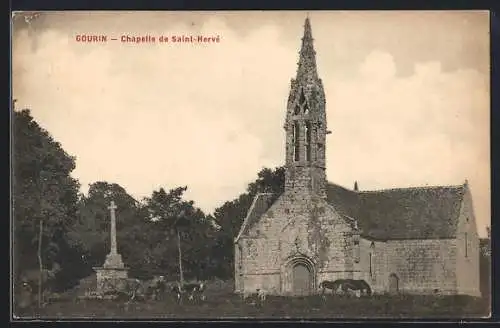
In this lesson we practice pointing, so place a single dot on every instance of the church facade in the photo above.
(409, 240)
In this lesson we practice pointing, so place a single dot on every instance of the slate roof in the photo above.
(261, 203)
(403, 213)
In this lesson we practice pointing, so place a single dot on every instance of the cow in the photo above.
(257, 297)
(30, 279)
(131, 287)
(261, 295)
(191, 289)
(346, 286)
(24, 295)
(155, 288)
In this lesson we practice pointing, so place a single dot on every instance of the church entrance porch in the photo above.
(298, 276)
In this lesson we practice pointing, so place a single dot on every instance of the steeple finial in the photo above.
(307, 61)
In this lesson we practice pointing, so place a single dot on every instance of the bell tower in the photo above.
(305, 125)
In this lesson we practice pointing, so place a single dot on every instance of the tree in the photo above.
(231, 214)
(44, 195)
(172, 215)
(90, 233)
(268, 181)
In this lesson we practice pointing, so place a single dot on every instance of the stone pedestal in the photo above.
(112, 270)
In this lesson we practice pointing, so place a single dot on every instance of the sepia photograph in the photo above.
(229, 165)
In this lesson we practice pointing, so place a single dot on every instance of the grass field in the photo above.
(227, 305)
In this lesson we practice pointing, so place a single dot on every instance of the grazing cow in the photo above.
(135, 288)
(24, 295)
(155, 288)
(131, 287)
(261, 295)
(346, 286)
(192, 290)
(195, 289)
(30, 279)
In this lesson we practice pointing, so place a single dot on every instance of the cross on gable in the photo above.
(112, 206)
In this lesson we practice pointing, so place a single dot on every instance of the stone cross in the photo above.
(112, 208)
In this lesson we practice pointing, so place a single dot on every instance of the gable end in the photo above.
(261, 203)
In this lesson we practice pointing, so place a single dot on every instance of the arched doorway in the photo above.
(393, 283)
(301, 280)
(298, 276)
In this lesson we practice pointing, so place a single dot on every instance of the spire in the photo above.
(356, 186)
(307, 60)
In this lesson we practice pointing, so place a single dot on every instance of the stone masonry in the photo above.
(409, 240)
(113, 268)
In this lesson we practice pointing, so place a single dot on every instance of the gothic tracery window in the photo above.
(297, 109)
(302, 98)
(301, 105)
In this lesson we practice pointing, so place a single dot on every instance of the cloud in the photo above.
(428, 128)
(210, 116)
(147, 116)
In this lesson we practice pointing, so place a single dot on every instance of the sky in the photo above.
(407, 97)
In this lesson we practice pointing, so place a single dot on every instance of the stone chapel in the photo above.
(410, 240)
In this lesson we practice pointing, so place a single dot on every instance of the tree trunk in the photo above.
(181, 275)
(40, 264)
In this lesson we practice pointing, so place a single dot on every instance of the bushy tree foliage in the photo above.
(91, 230)
(44, 195)
(231, 214)
(181, 231)
(152, 233)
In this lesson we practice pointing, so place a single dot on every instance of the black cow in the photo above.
(192, 290)
(346, 285)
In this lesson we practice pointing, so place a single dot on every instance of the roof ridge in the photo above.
(264, 193)
(411, 188)
(337, 185)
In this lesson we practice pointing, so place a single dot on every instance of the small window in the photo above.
(356, 249)
(371, 269)
(466, 245)
(308, 141)
(296, 144)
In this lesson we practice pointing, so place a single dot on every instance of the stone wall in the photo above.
(302, 224)
(372, 265)
(467, 266)
(422, 266)
(297, 224)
